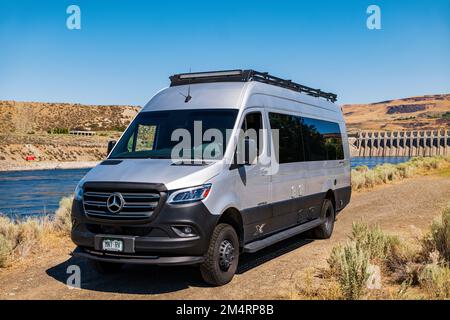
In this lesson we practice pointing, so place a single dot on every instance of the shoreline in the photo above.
(7, 166)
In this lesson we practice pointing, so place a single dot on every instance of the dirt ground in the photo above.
(404, 208)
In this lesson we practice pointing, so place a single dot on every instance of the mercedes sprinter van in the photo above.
(217, 164)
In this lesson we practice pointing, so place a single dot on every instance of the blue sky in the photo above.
(126, 50)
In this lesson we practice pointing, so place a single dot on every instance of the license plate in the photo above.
(112, 245)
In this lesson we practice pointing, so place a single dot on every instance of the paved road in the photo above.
(402, 208)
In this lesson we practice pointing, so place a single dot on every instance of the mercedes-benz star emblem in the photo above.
(115, 202)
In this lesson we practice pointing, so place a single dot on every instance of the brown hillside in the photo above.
(34, 117)
(418, 113)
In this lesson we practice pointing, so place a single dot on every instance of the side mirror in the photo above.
(111, 145)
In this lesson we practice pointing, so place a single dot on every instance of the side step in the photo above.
(280, 236)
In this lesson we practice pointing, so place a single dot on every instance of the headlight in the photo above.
(190, 194)
(79, 191)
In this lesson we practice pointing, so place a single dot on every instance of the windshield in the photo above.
(187, 134)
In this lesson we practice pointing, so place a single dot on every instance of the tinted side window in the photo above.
(290, 137)
(322, 139)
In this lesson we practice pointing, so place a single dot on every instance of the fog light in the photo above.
(184, 231)
(187, 230)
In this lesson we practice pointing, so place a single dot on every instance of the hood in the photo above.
(155, 171)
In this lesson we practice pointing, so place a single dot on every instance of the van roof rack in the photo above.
(245, 76)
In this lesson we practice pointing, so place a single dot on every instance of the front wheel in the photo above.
(222, 257)
(325, 230)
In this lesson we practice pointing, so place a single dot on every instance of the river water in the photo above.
(38, 192)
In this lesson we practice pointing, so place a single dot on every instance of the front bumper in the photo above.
(150, 241)
(135, 259)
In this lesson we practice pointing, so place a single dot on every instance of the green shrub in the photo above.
(373, 241)
(362, 177)
(63, 222)
(361, 168)
(386, 172)
(5, 250)
(438, 238)
(405, 170)
(358, 179)
(435, 280)
(349, 265)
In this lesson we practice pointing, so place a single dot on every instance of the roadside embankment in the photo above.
(52, 151)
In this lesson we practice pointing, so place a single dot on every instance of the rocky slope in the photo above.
(35, 117)
(415, 113)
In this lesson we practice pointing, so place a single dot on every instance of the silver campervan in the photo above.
(217, 164)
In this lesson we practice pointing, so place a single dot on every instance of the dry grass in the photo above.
(305, 287)
(363, 177)
(20, 238)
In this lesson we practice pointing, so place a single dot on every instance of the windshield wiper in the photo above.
(191, 163)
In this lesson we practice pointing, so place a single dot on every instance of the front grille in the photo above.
(136, 205)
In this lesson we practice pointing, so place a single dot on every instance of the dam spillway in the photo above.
(424, 143)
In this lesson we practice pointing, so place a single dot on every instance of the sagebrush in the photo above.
(363, 177)
(19, 237)
(425, 264)
(349, 265)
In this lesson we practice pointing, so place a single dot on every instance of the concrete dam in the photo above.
(425, 143)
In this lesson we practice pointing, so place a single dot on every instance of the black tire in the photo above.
(222, 257)
(325, 230)
(104, 267)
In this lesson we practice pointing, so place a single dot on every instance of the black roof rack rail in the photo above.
(245, 76)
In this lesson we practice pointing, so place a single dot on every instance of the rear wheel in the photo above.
(325, 230)
(222, 257)
(104, 267)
